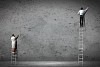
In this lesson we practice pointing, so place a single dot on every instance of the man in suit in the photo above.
(14, 43)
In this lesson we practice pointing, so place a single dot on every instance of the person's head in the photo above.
(13, 35)
(81, 8)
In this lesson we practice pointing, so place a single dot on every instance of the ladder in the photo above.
(80, 47)
(14, 57)
(1, 56)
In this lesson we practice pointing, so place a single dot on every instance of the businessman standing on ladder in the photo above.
(82, 13)
(14, 43)
(14, 51)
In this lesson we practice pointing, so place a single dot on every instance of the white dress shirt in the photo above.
(82, 12)
(13, 40)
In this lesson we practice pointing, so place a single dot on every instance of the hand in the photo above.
(17, 35)
(87, 7)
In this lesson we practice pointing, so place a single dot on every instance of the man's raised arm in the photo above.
(17, 36)
(86, 8)
(78, 13)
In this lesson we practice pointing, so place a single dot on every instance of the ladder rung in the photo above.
(80, 45)
(80, 42)
(13, 61)
(80, 39)
(80, 31)
(81, 51)
(80, 48)
(80, 34)
(80, 58)
(13, 55)
(80, 61)
(13, 58)
(80, 54)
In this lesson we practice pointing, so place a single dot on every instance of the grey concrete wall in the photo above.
(48, 29)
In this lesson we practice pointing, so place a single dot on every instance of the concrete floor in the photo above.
(49, 64)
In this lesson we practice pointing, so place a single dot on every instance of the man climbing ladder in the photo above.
(82, 13)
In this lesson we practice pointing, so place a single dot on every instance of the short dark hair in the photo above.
(13, 35)
(81, 8)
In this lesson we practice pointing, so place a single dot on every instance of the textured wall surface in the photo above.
(48, 29)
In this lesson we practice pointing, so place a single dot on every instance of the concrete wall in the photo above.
(48, 29)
